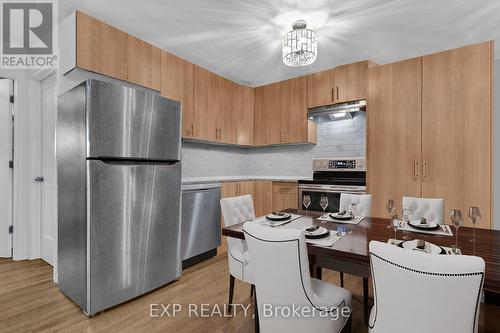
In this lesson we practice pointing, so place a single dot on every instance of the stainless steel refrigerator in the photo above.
(119, 193)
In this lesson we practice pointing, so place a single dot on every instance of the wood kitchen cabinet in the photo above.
(351, 82)
(177, 83)
(100, 48)
(456, 129)
(284, 195)
(103, 49)
(245, 115)
(344, 83)
(262, 197)
(429, 130)
(206, 105)
(394, 133)
(281, 113)
(320, 88)
(142, 63)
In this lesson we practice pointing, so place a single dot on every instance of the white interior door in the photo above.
(6, 89)
(48, 228)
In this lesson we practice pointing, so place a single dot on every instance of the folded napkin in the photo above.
(265, 221)
(327, 241)
(328, 218)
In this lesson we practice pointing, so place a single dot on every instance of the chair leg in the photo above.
(256, 314)
(348, 326)
(365, 300)
(252, 290)
(342, 279)
(231, 291)
(319, 273)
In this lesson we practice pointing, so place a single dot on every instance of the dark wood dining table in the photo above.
(350, 254)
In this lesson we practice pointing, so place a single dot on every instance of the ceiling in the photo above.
(241, 40)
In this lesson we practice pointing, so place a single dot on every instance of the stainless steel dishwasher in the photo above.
(200, 227)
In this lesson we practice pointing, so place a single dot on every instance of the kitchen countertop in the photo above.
(225, 179)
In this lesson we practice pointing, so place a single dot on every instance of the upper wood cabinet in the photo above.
(103, 49)
(456, 129)
(342, 84)
(281, 113)
(206, 104)
(245, 115)
(351, 81)
(142, 63)
(100, 47)
(394, 132)
(177, 83)
(320, 88)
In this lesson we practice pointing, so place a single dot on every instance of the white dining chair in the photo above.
(431, 209)
(281, 270)
(238, 210)
(363, 203)
(417, 292)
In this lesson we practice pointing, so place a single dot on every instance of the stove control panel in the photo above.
(340, 164)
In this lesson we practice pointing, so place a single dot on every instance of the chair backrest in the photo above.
(362, 201)
(431, 209)
(280, 267)
(237, 210)
(419, 292)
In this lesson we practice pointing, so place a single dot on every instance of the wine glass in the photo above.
(353, 209)
(474, 215)
(407, 214)
(456, 220)
(306, 201)
(323, 203)
(391, 208)
(395, 226)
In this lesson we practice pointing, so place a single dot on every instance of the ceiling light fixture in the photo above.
(299, 45)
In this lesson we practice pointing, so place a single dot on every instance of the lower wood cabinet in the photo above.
(262, 198)
(284, 195)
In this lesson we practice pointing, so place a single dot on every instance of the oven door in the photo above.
(316, 192)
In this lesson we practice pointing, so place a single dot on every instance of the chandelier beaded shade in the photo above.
(299, 46)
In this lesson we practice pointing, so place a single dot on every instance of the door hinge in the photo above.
(12, 99)
(11, 229)
(11, 164)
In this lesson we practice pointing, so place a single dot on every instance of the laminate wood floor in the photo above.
(31, 302)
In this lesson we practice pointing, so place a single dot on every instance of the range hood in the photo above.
(334, 112)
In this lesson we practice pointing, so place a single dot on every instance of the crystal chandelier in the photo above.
(299, 46)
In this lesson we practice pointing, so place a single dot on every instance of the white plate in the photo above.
(316, 233)
(428, 225)
(429, 247)
(275, 217)
(344, 217)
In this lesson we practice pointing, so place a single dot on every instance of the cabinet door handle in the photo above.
(192, 129)
(333, 95)
(337, 93)
(415, 169)
(424, 176)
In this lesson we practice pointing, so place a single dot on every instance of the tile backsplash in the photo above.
(345, 138)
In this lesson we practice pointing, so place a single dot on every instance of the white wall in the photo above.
(335, 139)
(496, 147)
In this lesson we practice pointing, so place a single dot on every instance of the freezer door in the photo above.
(134, 229)
(128, 123)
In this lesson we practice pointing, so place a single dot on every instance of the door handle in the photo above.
(333, 95)
(424, 176)
(415, 169)
(39, 179)
(337, 92)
